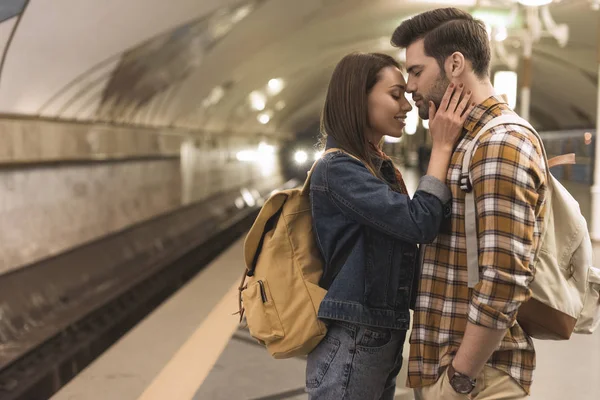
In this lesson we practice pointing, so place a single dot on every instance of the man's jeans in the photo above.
(355, 362)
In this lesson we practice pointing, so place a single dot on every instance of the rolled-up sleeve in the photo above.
(437, 188)
(507, 170)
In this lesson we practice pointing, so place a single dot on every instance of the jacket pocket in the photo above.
(262, 317)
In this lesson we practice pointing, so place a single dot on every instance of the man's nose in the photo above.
(411, 87)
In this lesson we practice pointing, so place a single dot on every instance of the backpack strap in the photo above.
(470, 212)
(467, 187)
(564, 159)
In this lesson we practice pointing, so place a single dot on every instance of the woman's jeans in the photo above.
(355, 362)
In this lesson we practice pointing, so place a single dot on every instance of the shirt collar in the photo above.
(483, 112)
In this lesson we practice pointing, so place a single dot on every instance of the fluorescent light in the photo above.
(505, 82)
(425, 123)
(280, 105)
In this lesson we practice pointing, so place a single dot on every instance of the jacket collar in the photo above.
(332, 144)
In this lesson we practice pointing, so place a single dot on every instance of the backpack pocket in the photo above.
(589, 319)
(262, 317)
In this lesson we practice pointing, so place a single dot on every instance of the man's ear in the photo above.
(455, 65)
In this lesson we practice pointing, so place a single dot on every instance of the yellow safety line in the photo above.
(185, 372)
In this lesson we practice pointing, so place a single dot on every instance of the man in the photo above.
(466, 342)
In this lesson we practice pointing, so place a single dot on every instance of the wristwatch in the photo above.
(461, 383)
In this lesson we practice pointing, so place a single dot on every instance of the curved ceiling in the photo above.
(193, 63)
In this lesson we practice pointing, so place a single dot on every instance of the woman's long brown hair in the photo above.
(345, 113)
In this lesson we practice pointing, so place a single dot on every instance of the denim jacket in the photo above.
(368, 236)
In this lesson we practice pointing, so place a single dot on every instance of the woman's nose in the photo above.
(405, 105)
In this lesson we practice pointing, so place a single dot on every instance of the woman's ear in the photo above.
(455, 65)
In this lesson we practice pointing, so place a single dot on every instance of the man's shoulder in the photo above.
(511, 134)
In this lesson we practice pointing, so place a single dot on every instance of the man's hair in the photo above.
(445, 31)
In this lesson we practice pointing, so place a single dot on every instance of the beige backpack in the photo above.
(566, 287)
(283, 267)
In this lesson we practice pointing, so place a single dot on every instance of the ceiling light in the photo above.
(213, 97)
(300, 157)
(280, 105)
(242, 13)
(275, 86)
(534, 3)
(258, 100)
(263, 118)
(500, 33)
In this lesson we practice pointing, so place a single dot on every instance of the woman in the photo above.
(368, 228)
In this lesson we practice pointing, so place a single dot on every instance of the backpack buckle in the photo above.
(465, 183)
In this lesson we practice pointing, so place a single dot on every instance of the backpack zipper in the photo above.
(263, 293)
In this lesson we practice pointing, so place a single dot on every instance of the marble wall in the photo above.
(56, 196)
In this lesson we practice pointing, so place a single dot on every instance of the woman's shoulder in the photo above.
(338, 169)
(337, 157)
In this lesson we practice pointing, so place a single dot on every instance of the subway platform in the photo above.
(192, 347)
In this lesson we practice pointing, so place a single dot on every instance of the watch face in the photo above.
(461, 384)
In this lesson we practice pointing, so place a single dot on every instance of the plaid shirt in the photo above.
(509, 183)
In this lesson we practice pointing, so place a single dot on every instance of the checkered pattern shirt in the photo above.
(509, 183)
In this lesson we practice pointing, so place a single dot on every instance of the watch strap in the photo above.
(452, 373)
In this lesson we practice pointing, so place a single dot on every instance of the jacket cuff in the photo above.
(434, 186)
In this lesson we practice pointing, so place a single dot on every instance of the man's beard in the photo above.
(435, 94)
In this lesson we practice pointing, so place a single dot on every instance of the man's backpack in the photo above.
(566, 287)
(283, 267)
